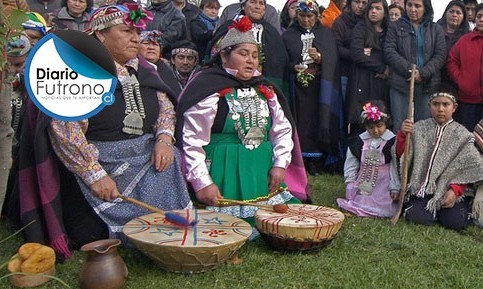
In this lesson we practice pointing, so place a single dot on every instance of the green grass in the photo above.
(367, 253)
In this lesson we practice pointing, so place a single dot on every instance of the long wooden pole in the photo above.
(405, 165)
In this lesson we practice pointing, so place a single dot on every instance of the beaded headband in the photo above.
(437, 94)
(372, 113)
(108, 16)
(151, 35)
(187, 51)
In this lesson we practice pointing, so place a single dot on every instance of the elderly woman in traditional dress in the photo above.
(314, 63)
(127, 148)
(235, 132)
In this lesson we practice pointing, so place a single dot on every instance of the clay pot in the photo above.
(103, 268)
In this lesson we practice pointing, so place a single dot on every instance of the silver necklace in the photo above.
(133, 122)
(255, 113)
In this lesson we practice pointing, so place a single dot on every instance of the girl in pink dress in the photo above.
(370, 170)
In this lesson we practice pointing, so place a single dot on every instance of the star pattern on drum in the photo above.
(166, 231)
(214, 220)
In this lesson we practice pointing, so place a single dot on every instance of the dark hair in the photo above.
(207, 2)
(372, 37)
(444, 87)
(89, 5)
(396, 6)
(284, 16)
(428, 10)
(382, 107)
(466, 2)
(479, 7)
(464, 26)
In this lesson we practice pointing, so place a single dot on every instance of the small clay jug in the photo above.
(103, 268)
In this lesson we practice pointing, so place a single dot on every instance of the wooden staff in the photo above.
(405, 165)
(280, 208)
(169, 216)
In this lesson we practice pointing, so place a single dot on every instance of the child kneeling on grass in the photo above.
(370, 171)
(443, 161)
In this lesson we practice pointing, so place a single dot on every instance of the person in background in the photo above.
(44, 7)
(443, 162)
(471, 12)
(454, 25)
(190, 12)
(312, 51)
(150, 49)
(72, 16)
(369, 73)
(398, 2)
(370, 170)
(184, 62)
(231, 11)
(332, 11)
(273, 59)
(18, 48)
(203, 27)
(229, 118)
(414, 39)
(395, 12)
(342, 29)
(35, 27)
(462, 67)
(288, 14)
(169, 21)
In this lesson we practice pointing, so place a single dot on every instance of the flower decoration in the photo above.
(372, 113)
(242, 24)
(137, 16)
(304, 77)
(308, 6)
(266, 91)
(225, 91)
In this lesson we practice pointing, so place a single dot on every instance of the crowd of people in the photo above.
(245, 104)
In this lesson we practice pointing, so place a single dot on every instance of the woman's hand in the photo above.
(163, 153)
(105, 189)
(315, 55)
(277, 175)
(449, 199)
(209, 195)
(407, 126)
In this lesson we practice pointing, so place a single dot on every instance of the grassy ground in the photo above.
(367, 253)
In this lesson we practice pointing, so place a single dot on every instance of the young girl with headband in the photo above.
(370, 170)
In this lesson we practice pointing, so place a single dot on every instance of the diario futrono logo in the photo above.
(70, 76)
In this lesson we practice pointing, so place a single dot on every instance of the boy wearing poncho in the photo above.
(443, 161)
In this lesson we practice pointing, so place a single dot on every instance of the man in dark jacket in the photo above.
(169, 21)
(189, 10)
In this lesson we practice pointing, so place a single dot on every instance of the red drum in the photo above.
(302, 227)
(194, 249)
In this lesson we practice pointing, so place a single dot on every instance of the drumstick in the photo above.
(280, 208)
(405, 168)
(169, 216)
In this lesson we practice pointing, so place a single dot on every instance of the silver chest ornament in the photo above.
(133, 122)
(255, 112)
(370, 169)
